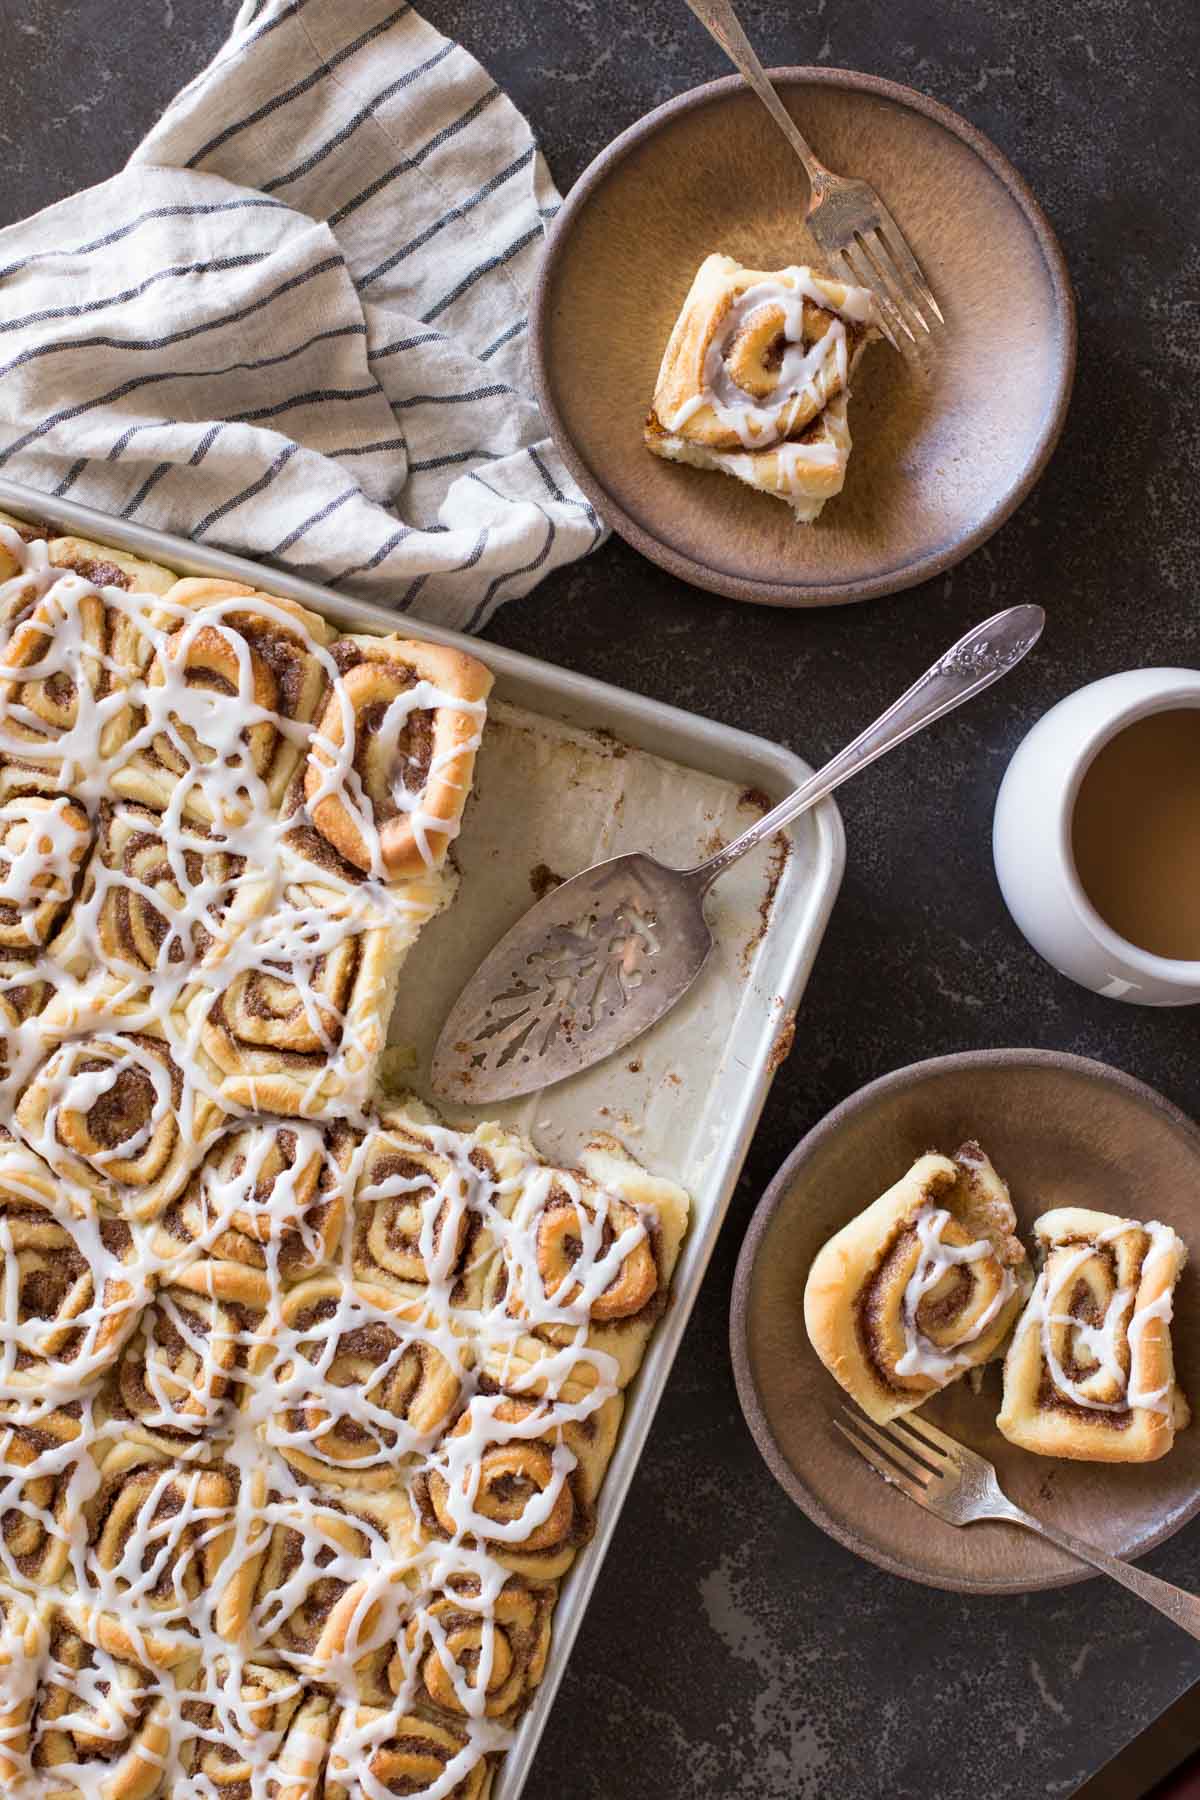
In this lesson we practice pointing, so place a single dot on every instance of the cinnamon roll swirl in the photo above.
(25, 571)
(378, 1752)
(585, 1260)
(270, 1195)
(101, 1722)
(225, 701)
(117, 1118)
(41, 1484)
(155, 902)
(498, 1479)
(242, 1726)
(43, 841)
(466, 1653)
(922, 1286)
(390, 764)
(71, 1288)
(66, 666)
(1090, 1372)
(421, 1203)
(22, 1653)
(157, 1533)
(755, 376)
(359, 1379)
(179, 1376)
(287, 1591)
(297, 1016)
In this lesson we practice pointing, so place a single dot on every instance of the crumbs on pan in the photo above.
(781, 1049)
(543, 880)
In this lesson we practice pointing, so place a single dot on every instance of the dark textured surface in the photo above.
(730, 1649)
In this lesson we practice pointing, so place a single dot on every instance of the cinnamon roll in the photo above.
(248, 1729)
(43, 841)
(101, 1721)
(495, 1481)
(467, 1652)
(285, 1590)
(25, 571)
(117, 1118)
(155, 902)
(585, 1260)
(227, 694)
(157, 1533)
(1090, 1373)
(755, 377)
(922, 1286)
(71, 1288)
(359, 1379)
(297, 1016)
(66, 666)
(390, 763)
(179, 1376)
(41, 1485)
(422, 1202)
(22, 1653)
(270, 1195)
(377, 1752)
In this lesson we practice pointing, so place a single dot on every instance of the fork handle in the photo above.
(1183, 1609)
(722, 23)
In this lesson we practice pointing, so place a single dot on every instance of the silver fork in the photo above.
(960, 1486)
(846, 216)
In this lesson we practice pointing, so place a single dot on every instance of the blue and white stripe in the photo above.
(295, 325)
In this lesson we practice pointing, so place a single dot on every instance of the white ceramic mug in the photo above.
(1031, 839)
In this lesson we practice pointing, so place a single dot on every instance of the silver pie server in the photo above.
(595, 963)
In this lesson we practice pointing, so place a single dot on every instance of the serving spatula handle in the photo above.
(977, 660)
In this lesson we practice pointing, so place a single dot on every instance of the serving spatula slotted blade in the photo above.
(601, 958)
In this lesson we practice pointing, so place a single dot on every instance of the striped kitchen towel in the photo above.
(295, 324)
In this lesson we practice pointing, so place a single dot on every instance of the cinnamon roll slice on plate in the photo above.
(755, 378)
(391, 759)
(1090, 1373)
(922, 1286)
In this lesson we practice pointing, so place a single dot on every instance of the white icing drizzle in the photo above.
(762, 423)
(264, 1408)
(935, 1261)
(1111, 1350)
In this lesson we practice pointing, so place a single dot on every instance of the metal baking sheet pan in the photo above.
(572, 770)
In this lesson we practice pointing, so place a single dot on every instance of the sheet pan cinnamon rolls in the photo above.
(932, 1281)
(305, 1399)
(755, 379)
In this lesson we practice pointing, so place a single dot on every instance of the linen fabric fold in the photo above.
(295, 325)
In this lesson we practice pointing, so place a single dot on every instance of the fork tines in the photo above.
(908, 1459)
(878, 257)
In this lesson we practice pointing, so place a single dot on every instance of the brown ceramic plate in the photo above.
(939, 460)
(1063, 1131)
